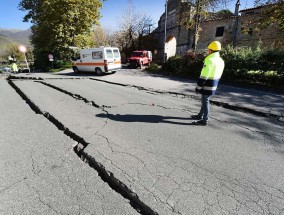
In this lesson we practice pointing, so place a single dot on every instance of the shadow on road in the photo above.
(146, 118)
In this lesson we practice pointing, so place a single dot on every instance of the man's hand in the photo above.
(196, 91)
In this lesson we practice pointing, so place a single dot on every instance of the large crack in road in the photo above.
(105, 175)
(212, 101)
(225, 105)
(149, 90)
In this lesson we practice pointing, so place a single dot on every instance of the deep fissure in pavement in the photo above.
(108, 177)
(213, 102)
(76, 96)
(102, 107)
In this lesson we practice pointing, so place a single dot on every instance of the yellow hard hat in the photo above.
(215, 46)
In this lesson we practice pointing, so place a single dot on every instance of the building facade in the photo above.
(175, 39)
(234, 30)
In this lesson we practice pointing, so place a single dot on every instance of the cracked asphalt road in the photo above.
(145, 142)
(39, 171)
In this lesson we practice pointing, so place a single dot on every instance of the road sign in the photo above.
(22, 49)
(50, 56)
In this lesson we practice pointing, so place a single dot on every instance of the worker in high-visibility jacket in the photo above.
(15, 68)
(208, 81)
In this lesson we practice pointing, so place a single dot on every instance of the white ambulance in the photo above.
(99, 60)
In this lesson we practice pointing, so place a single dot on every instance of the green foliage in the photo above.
(174, 65)
(60, 65)
(242, 65)
(273, 12)
(223, 13)
(265, 67)
(189, 65)
(153, 68)
(58, 24)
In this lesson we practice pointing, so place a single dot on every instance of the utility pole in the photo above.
(237, 7)
(165, 39)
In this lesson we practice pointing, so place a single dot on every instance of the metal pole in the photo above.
(27, 63)
(165, 39)
(237, 6)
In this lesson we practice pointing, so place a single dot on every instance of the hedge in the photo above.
(189, 65)
(262, 67)
(60, 65)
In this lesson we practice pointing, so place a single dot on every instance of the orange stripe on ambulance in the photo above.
(99, 60)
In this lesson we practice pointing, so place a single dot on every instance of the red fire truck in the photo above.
(139, 59)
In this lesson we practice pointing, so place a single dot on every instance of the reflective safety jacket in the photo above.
(210, 74)
(14, 67)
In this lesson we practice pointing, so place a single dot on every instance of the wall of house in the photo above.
(242, 35)
(208, 29)
(174, 30)
(245, 34)
(269, 37)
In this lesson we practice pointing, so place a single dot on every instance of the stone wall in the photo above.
(231, 30)
(269, 37)
(208, 29)
(245, 35)
(175, 30)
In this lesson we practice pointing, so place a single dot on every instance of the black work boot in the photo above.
(200, 122)
(196, 117)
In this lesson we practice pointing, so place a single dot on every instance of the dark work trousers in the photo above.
(205, 107)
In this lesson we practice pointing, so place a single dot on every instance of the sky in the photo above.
(11, 17)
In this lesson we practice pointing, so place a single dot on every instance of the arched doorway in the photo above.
(171, 46)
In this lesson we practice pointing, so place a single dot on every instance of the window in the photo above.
(220, 31)
(97, 55)
(116, 53)
(76, 55)
(109, 53)
(137, 54)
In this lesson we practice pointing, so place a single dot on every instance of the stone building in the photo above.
(229, 30)
(177, 39)
(237, 30)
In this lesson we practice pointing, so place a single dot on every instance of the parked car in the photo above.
(6, 69)
(24, 70)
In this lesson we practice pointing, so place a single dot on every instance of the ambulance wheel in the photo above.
(98, 71)
(75, 69)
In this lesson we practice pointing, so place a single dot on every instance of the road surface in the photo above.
(72, 144)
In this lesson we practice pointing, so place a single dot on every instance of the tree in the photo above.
(192, 12)
(223, 13)
(133, 26)
(110, 36)
(272, 13)
(102, 36)
(58, 24)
